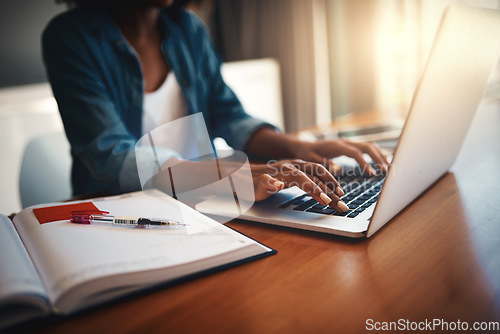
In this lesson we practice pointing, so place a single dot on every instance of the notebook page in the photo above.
(19, 281)
(68, 254)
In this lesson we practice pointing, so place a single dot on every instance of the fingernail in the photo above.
(278, 184)
(372, 171)
(342, 206)
(325, 198)
(339, 191)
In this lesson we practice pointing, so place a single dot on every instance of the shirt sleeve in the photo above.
(95, 128)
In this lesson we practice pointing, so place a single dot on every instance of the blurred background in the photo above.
(331, 58)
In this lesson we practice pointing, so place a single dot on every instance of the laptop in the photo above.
(465, 52)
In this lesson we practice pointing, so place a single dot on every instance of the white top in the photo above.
(165, 104)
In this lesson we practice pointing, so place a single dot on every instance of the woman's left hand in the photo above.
(322, 151)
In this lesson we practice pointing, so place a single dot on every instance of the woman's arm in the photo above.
(271, 144)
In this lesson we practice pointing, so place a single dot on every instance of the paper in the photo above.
(76, 261)
(51, 214)
(18, 275)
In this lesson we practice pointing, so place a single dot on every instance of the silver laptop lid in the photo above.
(464, 53)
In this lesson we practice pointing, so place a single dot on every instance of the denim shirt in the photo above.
(97, 81)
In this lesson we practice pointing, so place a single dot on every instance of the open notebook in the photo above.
(61, 267)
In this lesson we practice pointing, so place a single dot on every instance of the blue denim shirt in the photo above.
(97, 81)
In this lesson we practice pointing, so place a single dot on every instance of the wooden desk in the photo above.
(439, 259)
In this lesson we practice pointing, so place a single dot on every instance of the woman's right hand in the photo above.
(311, 177)
(267, 179)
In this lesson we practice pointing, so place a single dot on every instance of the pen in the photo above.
(102, 217)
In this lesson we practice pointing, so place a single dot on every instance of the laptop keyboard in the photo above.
(360, 193)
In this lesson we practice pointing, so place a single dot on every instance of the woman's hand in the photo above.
(322, 151)
(267, 179)
(311, 177)
(269, 143)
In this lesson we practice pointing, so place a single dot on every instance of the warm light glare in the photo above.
(397, 51)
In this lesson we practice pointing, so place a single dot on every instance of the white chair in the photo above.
(45, 170)
(257, 84)
(26, 112)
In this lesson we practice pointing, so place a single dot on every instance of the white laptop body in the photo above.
(464, 53)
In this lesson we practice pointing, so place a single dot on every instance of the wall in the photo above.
(25, 110)
(21, 25)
